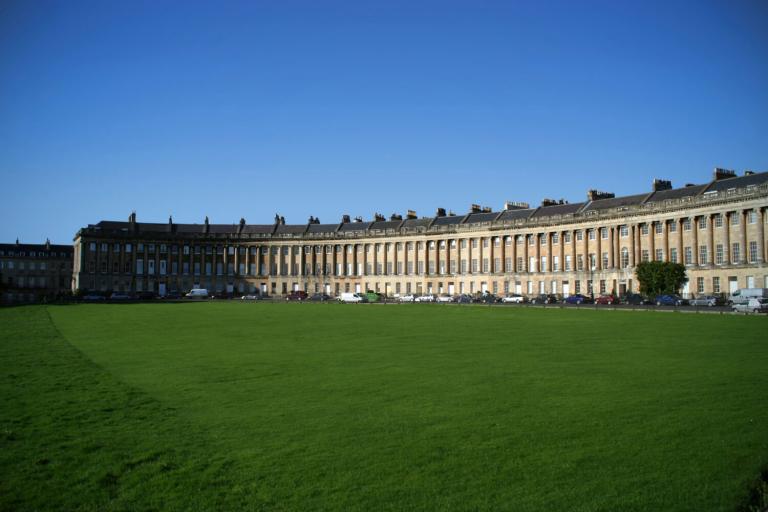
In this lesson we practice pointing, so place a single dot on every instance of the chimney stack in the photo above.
(661, 185)
(475, 208)
(345, 218)
(516, 205)
(440, 212)
(721, 174)
(411, 214)
(395, 216)
(594, 195)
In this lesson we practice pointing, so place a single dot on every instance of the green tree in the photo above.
(659, 277)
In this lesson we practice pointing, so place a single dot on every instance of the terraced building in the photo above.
(716, 229)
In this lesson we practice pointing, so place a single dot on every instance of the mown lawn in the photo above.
(258, 406)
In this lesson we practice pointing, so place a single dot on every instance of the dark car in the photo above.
(93, 297)
(120, 296)
(634, 299)
(670, 300)
(486, 298)
(297, 295)
(146, 295)
(320, 297)
(578, 299)
(545, 298)
(464, 299)
(607, 299)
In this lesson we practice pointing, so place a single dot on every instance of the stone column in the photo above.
(611, 248)
(760, 235)
(573, 250)
(550, 266)
(538, 252)
(743, 253)
(561, 251)
(526, 250)
(695, 242)
(711, 239)
(652, 242)
(727, 238)
(665, 240)
(680, 256)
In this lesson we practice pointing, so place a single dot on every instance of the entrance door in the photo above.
(518, 288)
(750, 281)
(686, 289)
(161, 290)
(295, 287)
(230, 288)
(484, 287)
(263, 288)
(566, 288)
(450, 289)
(733, 284)
(357, 288)
(327, 288)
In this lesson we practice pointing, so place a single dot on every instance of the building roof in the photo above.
(516, 214)
(383, 225)
(36, 247)
(417, 223)
(449, 220)
(615, 202)
(738, 182)
(354, 226)
(676, 193)
(291, 229)
(474, 218)
(322, 228)
(557, 209)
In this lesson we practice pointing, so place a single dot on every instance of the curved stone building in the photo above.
(716, 229)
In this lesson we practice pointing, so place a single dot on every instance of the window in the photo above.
(463, 243)
(623, 231)
(591, 234)
(673, 255)
(485, 242)
(672, 226)
(579, 262)
(508, 241)
(568, 262)
(531, 240)
(486, 268)
(452, 266)
(531, 264)
(736, 253)
(520, 264)
(420, 267)
(604, 233)
(542, 238)
(567, 237)
(719, 254)
(497, 242)
(702, 223)
(751, 217)
(497, 264)
(605, 260)
(644, 255)
(752, 252)
(624, 257)
(431, 266)
(463, 266)
(555, 238)
(104, 247)
(688, 255)
(579, 235)
(474, 265)
(715, 285)
(508, 265)
(659, 227)
(687, 225)
(139, 266)
(702, 255)
(700, 284)
(474, 243)
(92, 246)
(644, 229)
(543, 266)
(718, 220)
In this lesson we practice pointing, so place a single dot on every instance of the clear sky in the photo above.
(232, 109)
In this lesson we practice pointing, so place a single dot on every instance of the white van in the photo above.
(198, 293)
(351, 297)
(743, 295)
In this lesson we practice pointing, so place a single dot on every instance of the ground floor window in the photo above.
(716, 285)
(700, 284)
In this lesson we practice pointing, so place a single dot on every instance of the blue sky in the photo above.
(232, 109)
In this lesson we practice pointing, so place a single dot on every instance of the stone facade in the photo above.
(716, 229)
(34, 272)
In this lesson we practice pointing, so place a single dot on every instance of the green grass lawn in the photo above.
(221, 406)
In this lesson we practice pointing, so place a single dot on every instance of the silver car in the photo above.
(704, 300)
(752, 306)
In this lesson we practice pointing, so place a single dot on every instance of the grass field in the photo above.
(221, 406)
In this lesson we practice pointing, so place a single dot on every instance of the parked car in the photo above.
(545, 298)
(250, 296)
(197, 293)
(371, 296)
(607, 299)
(464, 299)
(634, 299)
(172, 296)
(444, 298)
(93, 297)
(578, 299)
(406, 298)
(706, 300)
(120, 296)
(147, 295)
(752, 305)
(513, 298)
(486, 298)
(297, 295)
(670, 300)
(351, 297)
(319, 297)
(425, 298)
